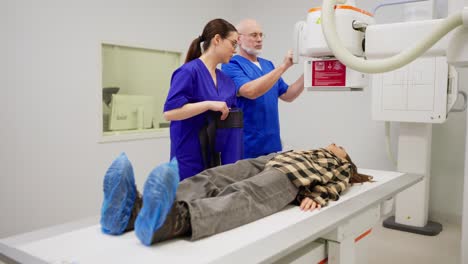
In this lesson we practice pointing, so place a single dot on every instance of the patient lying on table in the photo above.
(224, 197)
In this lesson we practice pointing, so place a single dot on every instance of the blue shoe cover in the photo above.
(158, 196)
(119, 196)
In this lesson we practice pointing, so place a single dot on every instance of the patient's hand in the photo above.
(308, 204)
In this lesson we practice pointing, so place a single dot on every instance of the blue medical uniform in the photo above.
(192, 83)
(261, 117)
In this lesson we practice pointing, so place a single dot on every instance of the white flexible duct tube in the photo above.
(380, 65)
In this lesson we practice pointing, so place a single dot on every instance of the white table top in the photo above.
(264, 240)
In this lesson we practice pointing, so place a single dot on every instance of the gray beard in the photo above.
(252, 51)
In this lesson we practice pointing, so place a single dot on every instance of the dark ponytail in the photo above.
(194, 50)
(216, 26)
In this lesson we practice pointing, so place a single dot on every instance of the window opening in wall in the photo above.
(135, 83)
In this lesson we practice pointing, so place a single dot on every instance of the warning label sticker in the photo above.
(328, 73)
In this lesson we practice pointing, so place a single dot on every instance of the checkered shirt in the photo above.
(319, 174)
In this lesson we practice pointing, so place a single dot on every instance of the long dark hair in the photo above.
(357, 177)
(215, 26)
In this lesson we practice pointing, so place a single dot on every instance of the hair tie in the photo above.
(201, 39)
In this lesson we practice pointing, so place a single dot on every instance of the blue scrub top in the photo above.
(192, 83)
(261, 118)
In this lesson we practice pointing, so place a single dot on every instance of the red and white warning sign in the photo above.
(328, 73)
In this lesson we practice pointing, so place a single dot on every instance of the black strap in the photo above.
(235, 119)
(203, 137)
(207, 135)
(215, 158)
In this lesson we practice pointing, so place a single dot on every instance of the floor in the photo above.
(385, 246)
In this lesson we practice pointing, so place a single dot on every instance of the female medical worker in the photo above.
(198, 88)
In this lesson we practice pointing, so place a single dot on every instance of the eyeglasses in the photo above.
(255, 35)
(233, 43)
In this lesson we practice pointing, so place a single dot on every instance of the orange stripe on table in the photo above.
(325, 260)
(361, 236)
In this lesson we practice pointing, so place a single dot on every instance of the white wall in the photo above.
(52, 165)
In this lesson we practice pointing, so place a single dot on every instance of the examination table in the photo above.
(327, 235)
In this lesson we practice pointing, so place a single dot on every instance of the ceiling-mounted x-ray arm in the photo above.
(387, 64)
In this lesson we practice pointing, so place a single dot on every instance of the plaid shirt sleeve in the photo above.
(318, 174)
(322, 193)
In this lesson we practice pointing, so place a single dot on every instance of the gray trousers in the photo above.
(232, 195)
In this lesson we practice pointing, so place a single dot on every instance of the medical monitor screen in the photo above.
(130, 112)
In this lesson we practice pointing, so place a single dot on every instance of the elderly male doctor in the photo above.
(259, 85)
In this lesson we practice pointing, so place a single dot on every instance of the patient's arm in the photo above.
(319, 197)
(193, 109)
(321, 194)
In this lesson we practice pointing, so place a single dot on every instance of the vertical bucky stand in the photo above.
(411, 206)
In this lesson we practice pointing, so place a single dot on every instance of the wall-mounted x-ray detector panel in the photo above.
(414, 93)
